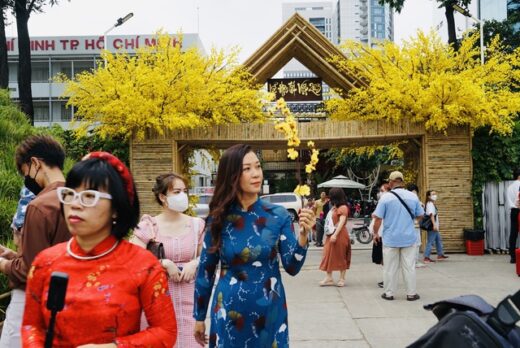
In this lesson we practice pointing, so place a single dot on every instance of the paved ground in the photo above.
(356, 316)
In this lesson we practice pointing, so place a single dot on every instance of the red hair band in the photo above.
(120, 168)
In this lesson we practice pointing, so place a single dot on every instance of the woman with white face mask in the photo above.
(434, 235)
(182, 237)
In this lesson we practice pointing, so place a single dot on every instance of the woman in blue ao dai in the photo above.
(247, 236)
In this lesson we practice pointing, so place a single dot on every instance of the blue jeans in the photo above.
(433, 237)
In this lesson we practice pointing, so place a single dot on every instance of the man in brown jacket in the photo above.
(40, 160)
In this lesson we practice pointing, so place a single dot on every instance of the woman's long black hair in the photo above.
(227, 187)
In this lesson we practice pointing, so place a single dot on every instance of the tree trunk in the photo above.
(4, 67)
(24, 59)
(450, 21)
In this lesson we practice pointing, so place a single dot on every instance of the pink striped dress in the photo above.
(180, 250)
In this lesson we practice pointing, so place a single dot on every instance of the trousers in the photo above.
(395, 260)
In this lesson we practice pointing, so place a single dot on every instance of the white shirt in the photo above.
(430, 209)
(512, 195)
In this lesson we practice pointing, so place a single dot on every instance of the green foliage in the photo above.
(77, 146)
(364, 159)
(286, 183)
(494, 159)
(14, 127)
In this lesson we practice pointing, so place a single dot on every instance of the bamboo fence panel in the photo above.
(448, 170)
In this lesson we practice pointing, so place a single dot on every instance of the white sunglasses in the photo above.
(87, 198)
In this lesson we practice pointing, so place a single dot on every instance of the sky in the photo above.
(220, 23)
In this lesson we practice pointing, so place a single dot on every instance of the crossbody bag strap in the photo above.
(404, 204)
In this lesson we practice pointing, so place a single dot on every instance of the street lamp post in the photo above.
(119, 22)
(466, 13)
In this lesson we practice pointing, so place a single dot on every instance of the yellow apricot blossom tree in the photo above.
(425, 80)
(163, 87)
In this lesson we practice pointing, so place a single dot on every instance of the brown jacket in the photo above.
(44, 226)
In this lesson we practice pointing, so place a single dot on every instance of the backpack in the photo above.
(470, 322)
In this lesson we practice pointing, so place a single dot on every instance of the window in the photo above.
(41, 111)
(61, 113)
(40, 71)
(319, 23)
(82, 66)
(62, 67)
(66, 113)
(13, 71)
(267, 198)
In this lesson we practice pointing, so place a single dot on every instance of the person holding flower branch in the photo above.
(247, 236)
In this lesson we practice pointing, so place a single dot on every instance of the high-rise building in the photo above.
(341, 20)
(492, 10)
(498, 10)
(357, 16)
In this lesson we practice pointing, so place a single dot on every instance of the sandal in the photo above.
(341, 283)
(326, 282)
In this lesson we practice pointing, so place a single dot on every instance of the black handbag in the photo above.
(426, 223)
(156, 248)
(377, 252)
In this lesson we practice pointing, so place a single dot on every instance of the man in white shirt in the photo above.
(513, 201)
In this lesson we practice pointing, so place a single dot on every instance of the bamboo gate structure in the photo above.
(443, 162)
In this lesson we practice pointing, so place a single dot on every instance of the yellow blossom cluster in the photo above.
(309, 168)
(289, 128)
(302, 190)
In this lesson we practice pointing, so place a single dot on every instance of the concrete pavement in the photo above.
(356, 315)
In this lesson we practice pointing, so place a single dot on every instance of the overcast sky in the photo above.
(221, 23)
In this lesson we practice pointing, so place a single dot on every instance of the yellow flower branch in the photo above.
(289, 127)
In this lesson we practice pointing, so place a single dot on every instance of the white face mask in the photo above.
(433, 198)
(178, 202)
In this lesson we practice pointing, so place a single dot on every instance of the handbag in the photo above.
(426, 223)
(329, 224)
(154, 246)
(377, 252)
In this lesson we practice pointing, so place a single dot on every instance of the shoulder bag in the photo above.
(154, 246)
(426, 223)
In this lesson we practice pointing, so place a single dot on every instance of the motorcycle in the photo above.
(361, 233)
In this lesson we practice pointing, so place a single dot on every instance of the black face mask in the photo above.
(31, 183)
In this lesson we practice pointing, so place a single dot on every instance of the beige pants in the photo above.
(11, 332)
(395, 260)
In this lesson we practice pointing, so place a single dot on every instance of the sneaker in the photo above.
(386, 297)
(441, 257)
(380, 284)
(420, 265)
(413, 297)
(428, 260)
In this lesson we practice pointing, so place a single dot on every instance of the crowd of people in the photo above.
(120, 294)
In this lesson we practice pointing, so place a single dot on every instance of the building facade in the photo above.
(341, 20)
(357, 16)
(69, 56)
